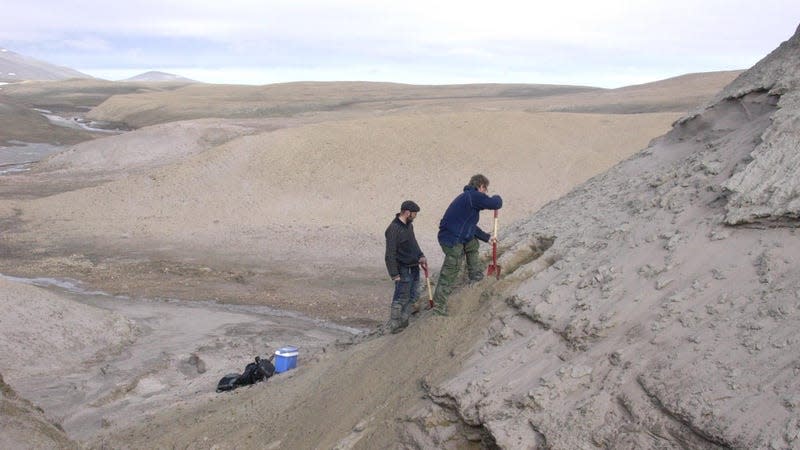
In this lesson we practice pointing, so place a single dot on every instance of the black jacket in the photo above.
(402, 249)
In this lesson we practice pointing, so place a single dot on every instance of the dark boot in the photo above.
(405, 314)
(394, 318)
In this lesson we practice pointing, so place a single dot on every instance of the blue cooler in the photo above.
(285, 359)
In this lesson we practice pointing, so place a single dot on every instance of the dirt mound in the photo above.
(278, 181)
(679, 94)
(147, 148)
(42, 331)
(25, 426)
(651, 322)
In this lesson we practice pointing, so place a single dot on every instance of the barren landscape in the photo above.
(289, 211)
(650, 291)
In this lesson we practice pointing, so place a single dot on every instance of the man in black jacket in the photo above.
(403, 260)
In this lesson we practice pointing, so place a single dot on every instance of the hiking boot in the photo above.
(394, 318)
(440, 312)
(475, 277)
(401, 323)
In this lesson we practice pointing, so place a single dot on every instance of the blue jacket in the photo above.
(460, 222)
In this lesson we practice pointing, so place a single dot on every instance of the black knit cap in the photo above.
(408, 205)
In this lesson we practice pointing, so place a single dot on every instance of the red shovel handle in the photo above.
(494, 269)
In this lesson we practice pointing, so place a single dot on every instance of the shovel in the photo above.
(428, 282)
(494, 268)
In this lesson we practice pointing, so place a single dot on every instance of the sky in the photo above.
(604, 43)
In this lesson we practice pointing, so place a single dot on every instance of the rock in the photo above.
(792, 430)
(361, 426)
(766, 189)
(718, 235)
(580, 371)
(672, 242)
(791, 402)
(661, 284)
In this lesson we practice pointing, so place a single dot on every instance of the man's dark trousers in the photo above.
(405, 294)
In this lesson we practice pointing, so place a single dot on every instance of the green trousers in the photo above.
(451, 267)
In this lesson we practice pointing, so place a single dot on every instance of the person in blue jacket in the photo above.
(459, 234)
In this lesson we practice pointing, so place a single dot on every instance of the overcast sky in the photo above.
(607, 43)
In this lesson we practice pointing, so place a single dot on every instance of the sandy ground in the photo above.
(249, 220)
(119, 359)
(286, 213)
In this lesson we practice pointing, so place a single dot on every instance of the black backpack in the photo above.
(253, 373)
(228, 382)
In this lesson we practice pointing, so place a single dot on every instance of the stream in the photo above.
(19, 156)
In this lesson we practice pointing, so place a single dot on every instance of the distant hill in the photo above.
(154, 75)
(16, 67)
(678, 94)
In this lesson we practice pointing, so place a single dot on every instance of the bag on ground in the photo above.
(260, 370)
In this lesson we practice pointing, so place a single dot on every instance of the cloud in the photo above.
(91, 44)
(567, 36)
